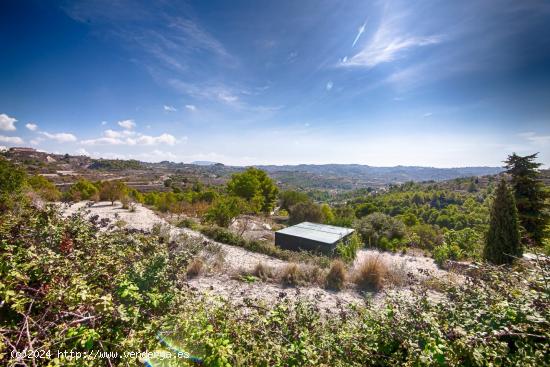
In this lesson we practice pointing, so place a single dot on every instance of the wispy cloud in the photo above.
(535, 138)
(169, 108)
(128, 137)
(427, 114)
(31, 126)
(359, 33)
(390, 41)
(11, 139)
(60, 137)
(127, 124)
(329, 85)
(191, 107)
(7, 123)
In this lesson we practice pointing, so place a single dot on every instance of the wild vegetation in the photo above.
(85, 285)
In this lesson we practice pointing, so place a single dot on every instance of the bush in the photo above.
(44, 188)
(376, 227)
(82, 190)
(305, 212)
(369, 275)
(347, 251)
(224, 210)
(336, 276)
(194, 268)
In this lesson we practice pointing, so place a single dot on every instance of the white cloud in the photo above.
(11, 139)
(7, 123)
(31, 126)
(427, 114)
(169, 108)
(60, 137)
(359, 33)
(389, 42)
(191, 107)
(112, 137)
(127, 124)
(103, 123)
(329, 85)
(536, 138)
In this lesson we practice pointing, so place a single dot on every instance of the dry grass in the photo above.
(264, 272)
(397, 274)
(195, 268)
(370, 274)
(291, 274)
(336, 277)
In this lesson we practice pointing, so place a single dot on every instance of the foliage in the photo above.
(305, 212)
(112, 190)
(224, 210)
(328, 215)
(289, 198)
(82, 190)
(44, 188)
(116, 164)
(503, 240)
(376, 227)
(347, 250)
(529, 194)
(66, 285)
(255, 186)
(12, 181)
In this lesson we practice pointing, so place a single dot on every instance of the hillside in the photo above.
(305, 176)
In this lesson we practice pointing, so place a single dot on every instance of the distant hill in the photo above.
(349, 176)
(306, 176)
(203, 163)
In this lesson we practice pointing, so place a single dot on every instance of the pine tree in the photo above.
(529, 194)
(503, 243)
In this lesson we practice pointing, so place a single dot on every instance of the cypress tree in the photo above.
(529, 194)
(503, 240)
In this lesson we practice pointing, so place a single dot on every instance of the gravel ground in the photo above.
(238, 260)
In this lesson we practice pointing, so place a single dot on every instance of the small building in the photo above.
(22, 150)
(312, 237)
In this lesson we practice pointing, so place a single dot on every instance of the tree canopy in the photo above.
(529, 194)
(255, 186)
(503, 240)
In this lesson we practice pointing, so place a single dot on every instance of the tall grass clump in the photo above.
(369, 275)
(336, 276)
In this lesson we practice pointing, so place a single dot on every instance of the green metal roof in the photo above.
(317, 232)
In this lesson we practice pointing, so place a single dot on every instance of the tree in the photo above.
(224, 210)
(503, 240)
(289, 198)
(113, 190)
(255, 186)
(328, 215)
(529, 194)
(305, 212)
(376, 226)
(46, 189)
(82, 190)
(12, 181)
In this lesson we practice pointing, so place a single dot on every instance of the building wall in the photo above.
(294, 243)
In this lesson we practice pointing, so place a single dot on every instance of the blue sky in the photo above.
(434, 83)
